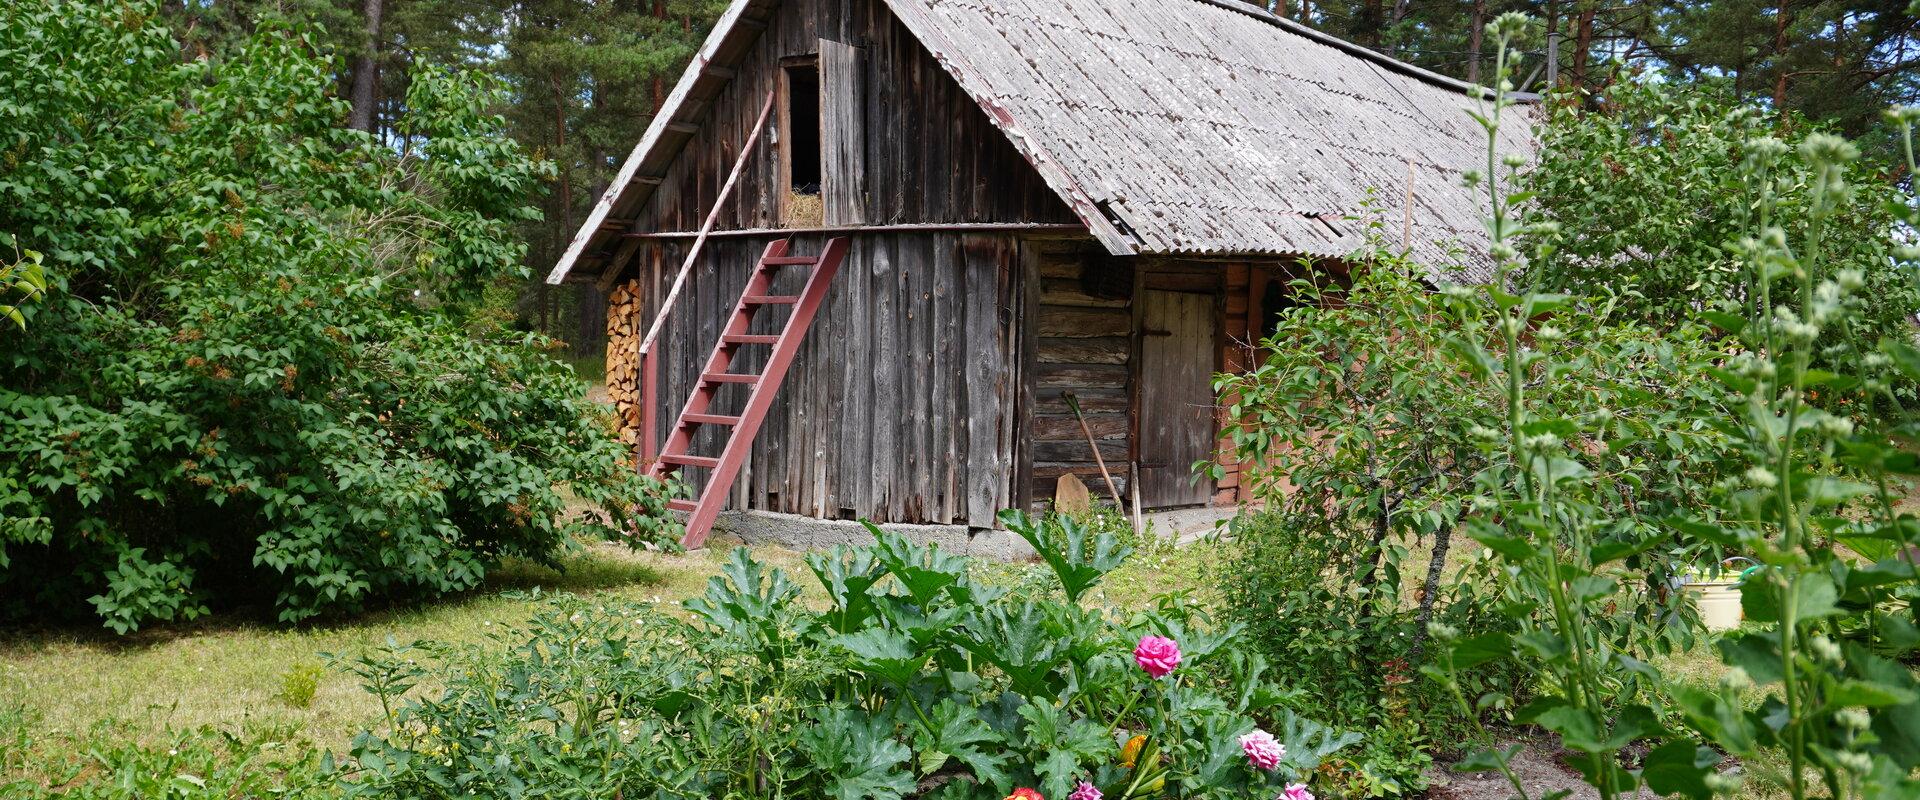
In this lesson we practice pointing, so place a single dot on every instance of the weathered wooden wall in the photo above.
(929, 153)
(900, 406)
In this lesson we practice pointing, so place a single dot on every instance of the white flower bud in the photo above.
(1762, 477)
(1824, 648)
(1836, 427)
(1856, 763)
(1854, 719)
(1736, 679)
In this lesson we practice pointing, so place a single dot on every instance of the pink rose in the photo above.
(1087, 791)
(1295, 791)
(1158, 655)
(1262, 751)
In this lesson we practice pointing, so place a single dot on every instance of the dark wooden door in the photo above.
(1176, 396)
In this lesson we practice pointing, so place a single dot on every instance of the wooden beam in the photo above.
(918, 227)
(683, 127)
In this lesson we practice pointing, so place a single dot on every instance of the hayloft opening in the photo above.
(803, 128)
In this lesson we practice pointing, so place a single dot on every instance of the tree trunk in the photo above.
(1582, 44)
(1436, 566)
(1780, 23)
(366, 70)
(1476, 33)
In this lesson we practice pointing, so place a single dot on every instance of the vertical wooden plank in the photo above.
(943, 307)
(843, 133)
(1025, 333)
(987, 379)
(888, 377)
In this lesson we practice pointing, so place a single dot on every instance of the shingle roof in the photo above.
(1199, 126)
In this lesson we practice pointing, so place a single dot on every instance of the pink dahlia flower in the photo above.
(1158, 655)
(1295, 791)
(1262, 751)
(1087, 791)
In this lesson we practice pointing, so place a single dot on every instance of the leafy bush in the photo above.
(913, 679)
(1830, 636)
(261, 375)
(299, 684)
(1647, 210)
(22, 281)
(1364, 434)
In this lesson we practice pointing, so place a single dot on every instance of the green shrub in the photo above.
(913, 680)
(1647, 210)
(1364, 435)
(299, 683)
(1818, 697)
(260, 375)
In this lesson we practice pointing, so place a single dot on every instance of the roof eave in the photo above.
(725, 31)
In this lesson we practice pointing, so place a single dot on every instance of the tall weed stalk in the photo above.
(1826, 628)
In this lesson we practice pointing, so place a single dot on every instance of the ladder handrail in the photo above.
(649, 373)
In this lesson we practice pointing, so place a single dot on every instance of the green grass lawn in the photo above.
(229, 673)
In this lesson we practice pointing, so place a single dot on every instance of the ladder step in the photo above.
(728, 377)
(682, 505)
(771, 299)
(750, 338)
(790, 261)
(690, 460)
(712, 419)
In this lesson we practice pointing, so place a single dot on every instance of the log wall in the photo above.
(1081, 341)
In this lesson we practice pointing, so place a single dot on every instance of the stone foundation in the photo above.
(808, 533)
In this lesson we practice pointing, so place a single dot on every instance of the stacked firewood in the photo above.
(624, 329)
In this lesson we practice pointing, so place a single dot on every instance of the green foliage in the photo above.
(1078, 557)
(21, 282)
(1365, 427)
(261, 375)
(1826, 632)
(1644, 210)
(299, 683)
(102, 763)
(914, 680)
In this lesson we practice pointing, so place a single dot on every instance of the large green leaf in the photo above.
(1077, 559)
(856, 756)
(1680, 767)
(882, 653)
(847, 574)
(923, 570)
(954, 731)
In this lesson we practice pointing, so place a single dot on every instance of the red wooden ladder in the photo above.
(761, 387)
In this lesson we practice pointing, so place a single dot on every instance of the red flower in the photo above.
(1024, 793)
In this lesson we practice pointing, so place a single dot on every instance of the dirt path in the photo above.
(1538, 766)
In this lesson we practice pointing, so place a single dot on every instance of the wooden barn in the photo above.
(1027, 202)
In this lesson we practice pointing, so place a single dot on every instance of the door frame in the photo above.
(1185, 277)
